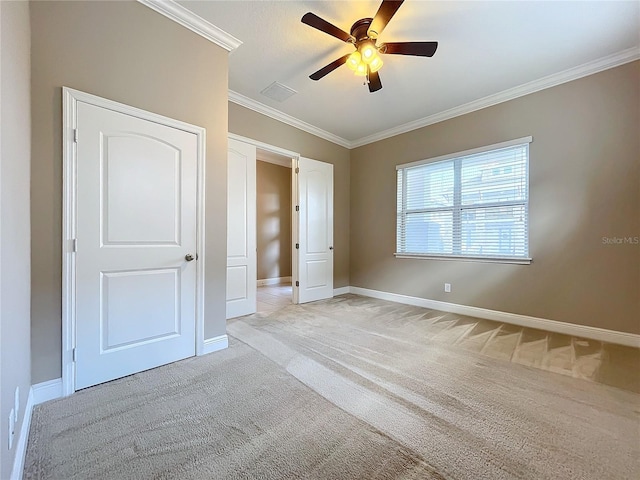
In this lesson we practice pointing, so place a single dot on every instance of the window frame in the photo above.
(457, 208)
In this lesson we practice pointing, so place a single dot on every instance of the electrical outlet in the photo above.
(447, 288)
(12, 428)
(16, 404)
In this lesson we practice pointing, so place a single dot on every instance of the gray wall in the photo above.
(15, 155)
(273, 212)
(250, 124)
(584, 185)
(125, 52)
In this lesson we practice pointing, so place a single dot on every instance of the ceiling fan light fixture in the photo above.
(368, 51)
(354, 60)
(366, 61)
(361, 70)
(376, 64)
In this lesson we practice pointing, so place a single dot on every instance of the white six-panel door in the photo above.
(315, 255)
(242, 275)
(136, 230)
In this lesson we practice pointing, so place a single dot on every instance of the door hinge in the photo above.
(297, 283)
(297, 208)
(297, 170)
(74, 245)
(75, 135)
(73, 354)
(297, 246)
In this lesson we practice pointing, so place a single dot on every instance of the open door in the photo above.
(242, 274)
(315, 231)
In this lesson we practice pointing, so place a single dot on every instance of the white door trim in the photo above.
(70, 99)
(264, 146)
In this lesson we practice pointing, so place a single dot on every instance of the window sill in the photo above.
(465, 258)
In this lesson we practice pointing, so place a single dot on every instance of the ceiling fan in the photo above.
(365, 61)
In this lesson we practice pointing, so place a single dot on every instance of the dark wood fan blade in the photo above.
(316, 22)
(329, 68)
(387, 9)
(374, 82)
(420, 49)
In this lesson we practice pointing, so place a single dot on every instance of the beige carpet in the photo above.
(345, 388)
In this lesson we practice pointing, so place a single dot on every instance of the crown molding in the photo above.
(185, 17)
(584, 70)
(176, 12)
(256, 106)
(590, 68)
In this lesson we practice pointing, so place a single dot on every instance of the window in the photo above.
(470, 205)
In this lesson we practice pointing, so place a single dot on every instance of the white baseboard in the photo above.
(214, 344)
(274, 281)
(45, 391)
(21, 444)
(341, 291)
(604, 335)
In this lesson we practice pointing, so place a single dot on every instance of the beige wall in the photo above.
(125, 52)
(15, 155)
(585, 185)
(273, 199)
(250, 124)
(584, 174)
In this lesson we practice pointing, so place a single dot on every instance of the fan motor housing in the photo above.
(359, 30)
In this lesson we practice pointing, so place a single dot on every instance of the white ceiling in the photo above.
(485, 48)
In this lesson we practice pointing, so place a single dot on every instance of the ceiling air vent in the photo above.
(278, 92)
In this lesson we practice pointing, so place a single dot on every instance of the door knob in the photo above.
(330, 248)
(188, 257)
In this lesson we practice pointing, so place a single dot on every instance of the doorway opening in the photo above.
(273, 230)
(311, 219)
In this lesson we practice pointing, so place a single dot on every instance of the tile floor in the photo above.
(273, 297)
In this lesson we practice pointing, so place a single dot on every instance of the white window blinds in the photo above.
(471, 205)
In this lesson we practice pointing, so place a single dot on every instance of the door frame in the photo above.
(70, 99)
(294, 156)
